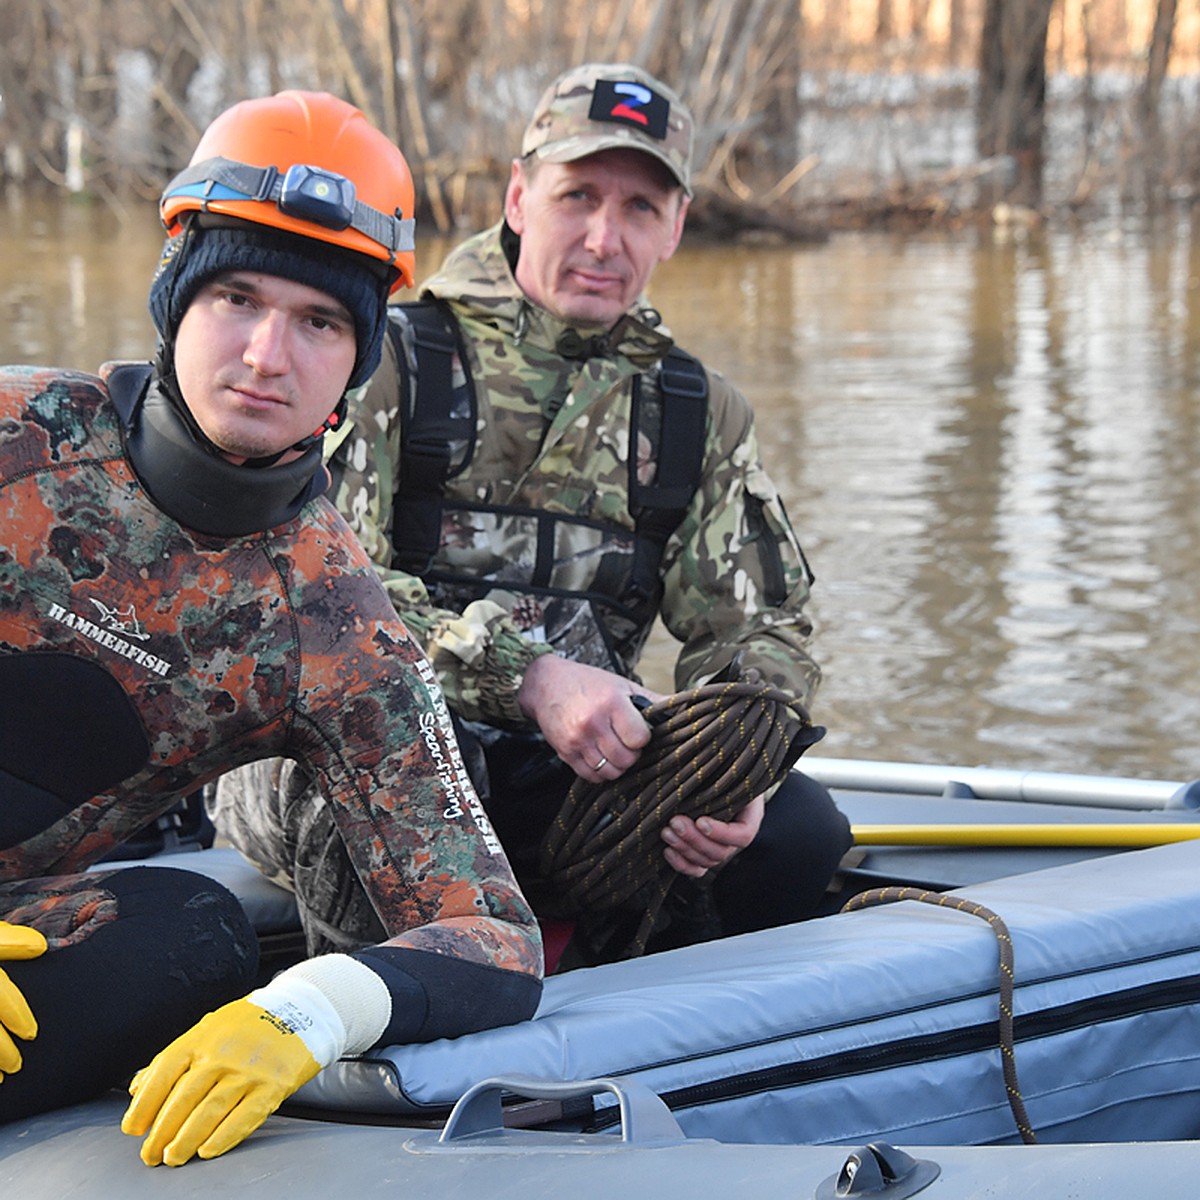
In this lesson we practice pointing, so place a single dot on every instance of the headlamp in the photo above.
(316, 195)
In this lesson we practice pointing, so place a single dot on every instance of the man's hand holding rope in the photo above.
(588, 717)
(696, 847)
(714, 752)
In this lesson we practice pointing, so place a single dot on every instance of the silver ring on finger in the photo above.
(601, 764)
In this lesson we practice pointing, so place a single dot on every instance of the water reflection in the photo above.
(988, 444)
(75, 281)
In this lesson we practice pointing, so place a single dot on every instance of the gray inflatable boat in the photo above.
(1013, 1011)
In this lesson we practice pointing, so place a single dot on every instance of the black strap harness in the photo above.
(430, 431)
(438, 441)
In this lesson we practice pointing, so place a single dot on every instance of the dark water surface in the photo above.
(987, 442)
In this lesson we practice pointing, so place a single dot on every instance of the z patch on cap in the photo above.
(628, 103)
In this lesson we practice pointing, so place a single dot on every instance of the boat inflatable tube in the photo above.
(874, 1024)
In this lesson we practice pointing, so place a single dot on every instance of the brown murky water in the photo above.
(988, 444)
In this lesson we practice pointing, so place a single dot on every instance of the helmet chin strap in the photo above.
(305, 443)
(330, 423)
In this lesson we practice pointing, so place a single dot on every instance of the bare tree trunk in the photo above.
(389, 110)
(1011, 110)
(95, 108)
(25, 69)
(1153, 171)
(1090, 107)
(357, 67)
(885, 21)
(957, 34)
(175, 51)
(1089, 71)
(1158, 61)
(781, 117)
(920, 17)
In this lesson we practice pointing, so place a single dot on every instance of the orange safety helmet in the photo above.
(310, 164)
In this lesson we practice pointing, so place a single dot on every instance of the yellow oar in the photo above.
(1131, 835)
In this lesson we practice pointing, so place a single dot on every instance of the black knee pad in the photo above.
(108, 999)
(782, 876)
(191, 921)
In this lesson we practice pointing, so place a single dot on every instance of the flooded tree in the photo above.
(799, 106)
(1011, 109)
(1150, 98)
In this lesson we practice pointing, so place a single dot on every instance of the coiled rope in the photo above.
(711, 751)
(1008, 1059)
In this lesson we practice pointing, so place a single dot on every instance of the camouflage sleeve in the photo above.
(462, 949)
(479, 655)
(734, 575)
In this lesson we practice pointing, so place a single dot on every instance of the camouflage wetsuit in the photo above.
(538, 538)
(197, 653)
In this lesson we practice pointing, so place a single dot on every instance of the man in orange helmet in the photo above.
(176, 598)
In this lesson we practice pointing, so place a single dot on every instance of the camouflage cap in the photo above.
(607, 106)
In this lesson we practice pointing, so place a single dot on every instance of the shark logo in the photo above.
(123, 621)
(115, 628)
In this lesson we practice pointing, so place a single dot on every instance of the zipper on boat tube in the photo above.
(1150, 997)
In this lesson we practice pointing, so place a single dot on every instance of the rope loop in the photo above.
(1008, 1060)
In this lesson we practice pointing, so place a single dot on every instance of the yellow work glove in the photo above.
(17, 942)
(216, 1084)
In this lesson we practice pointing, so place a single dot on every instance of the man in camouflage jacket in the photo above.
(528, 608)
(178, 597)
